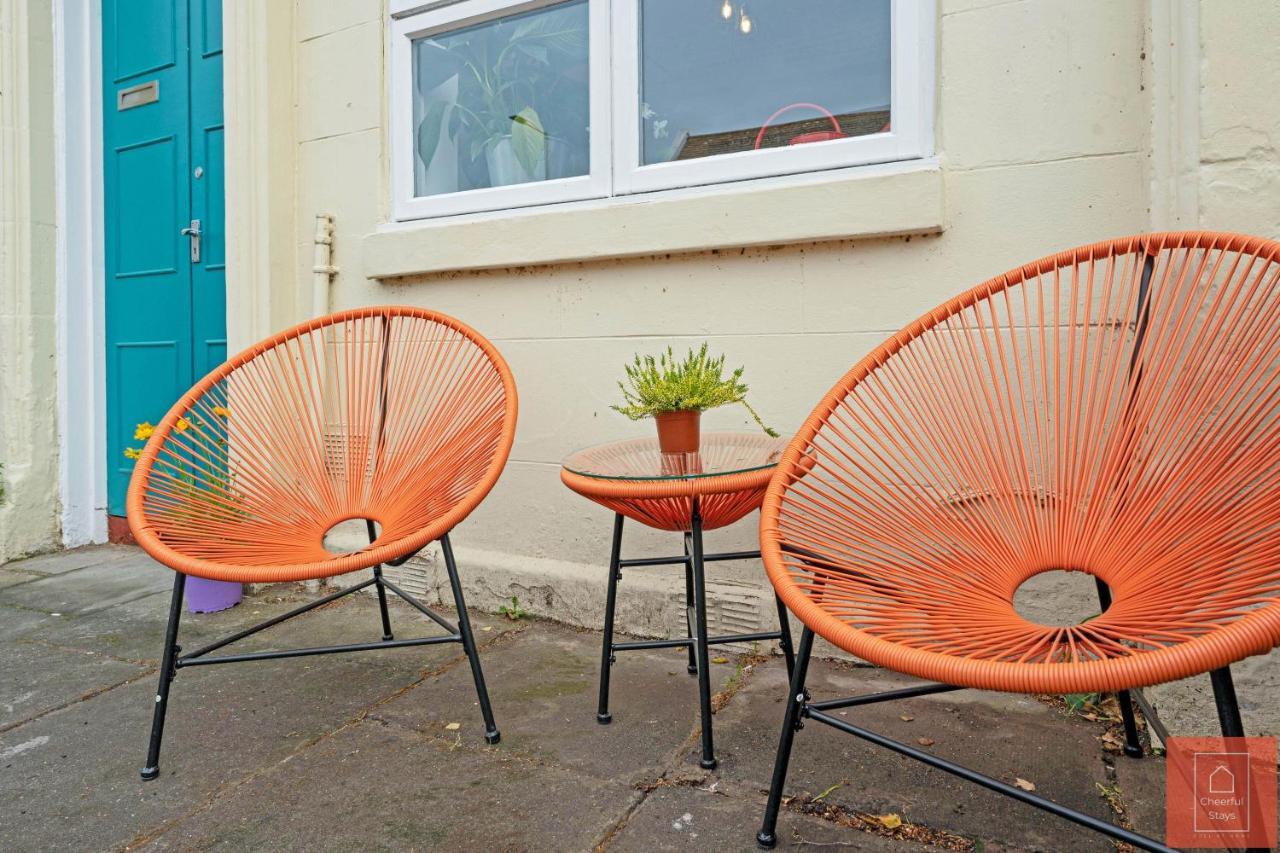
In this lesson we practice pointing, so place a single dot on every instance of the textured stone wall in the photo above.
(28, 428)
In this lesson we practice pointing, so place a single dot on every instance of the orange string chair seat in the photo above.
(1113, 410)
(397, 417)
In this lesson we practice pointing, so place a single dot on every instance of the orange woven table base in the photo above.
(674, 513)
(727, 476)
(1113, 409)
(393, 414)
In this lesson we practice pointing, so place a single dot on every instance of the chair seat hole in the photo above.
(351, 535)
(1057, 598)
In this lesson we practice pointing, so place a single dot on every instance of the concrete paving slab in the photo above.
(18, 621)
(8, 577)
(692, 817)
(73, 781)
(61, 562)
(35, 678)
(543, 684)
(374, 787)
(1007, 737)
(1139, 784)
(95, 587)
(352, 751)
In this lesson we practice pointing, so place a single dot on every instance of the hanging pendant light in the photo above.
(744, 20)
(726, 11)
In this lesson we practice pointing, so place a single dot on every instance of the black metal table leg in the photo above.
(704, 667)
(491, 734)
(606, 653)
(688, 599)
(767, 837)
(168, 669)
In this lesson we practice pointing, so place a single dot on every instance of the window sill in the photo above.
(866, 201)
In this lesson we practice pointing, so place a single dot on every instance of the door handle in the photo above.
(193, 231)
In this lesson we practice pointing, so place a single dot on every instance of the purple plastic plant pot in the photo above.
(206, 596)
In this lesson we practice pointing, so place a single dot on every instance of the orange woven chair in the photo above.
(398, 417)
(1112, 410)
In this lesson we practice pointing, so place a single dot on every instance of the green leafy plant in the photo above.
(513, 611)
(696, 382)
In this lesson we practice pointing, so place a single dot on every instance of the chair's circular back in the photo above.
(398, 415)
(1113, 409)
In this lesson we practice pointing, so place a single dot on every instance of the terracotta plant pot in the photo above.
(678, 432)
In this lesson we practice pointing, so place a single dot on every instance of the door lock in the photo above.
(193, 231)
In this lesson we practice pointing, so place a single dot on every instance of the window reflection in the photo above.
(720, 76)
(503, 102)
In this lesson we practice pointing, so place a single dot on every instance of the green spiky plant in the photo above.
(694, 383)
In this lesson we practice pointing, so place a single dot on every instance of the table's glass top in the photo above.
(720, 453)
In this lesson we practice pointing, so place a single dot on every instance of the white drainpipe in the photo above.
(324, 270)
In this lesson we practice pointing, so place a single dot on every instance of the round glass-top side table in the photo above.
(689, 493)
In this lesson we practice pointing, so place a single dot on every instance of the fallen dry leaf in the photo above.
(453, 727)
(925, 741)
(1024, 784)
(719, 660)
(890, 821)
(906, 718)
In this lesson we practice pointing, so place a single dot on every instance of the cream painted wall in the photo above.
(28, 420)
(1239, 175)
(1041, 129)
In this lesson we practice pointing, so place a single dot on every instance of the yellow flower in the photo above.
(132, 453)
(182, 424)
(222, 411)
(143, 432)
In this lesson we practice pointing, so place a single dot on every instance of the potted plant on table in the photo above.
(675, 393)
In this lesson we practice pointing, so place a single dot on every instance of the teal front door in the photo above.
(166, 316)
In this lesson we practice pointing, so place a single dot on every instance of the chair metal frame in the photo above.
(173, 659)
(801, 707)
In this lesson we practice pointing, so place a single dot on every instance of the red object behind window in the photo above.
(812, 136)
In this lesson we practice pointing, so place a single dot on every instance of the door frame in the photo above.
(80, 316)
(257, 89)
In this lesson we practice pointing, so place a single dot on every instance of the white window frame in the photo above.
(443, 18)
(614, 73)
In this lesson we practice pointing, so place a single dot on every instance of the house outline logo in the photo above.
(1222, 780)
(1211, 771)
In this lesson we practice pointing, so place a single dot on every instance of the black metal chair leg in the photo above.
(603, 717)
(491, 734)
(1132, 744)
(767, 837)
(167, 671)
(382, 604)
(1224, 697)
(784, 628)
(688, 600)
(708, 761)
(382, 590)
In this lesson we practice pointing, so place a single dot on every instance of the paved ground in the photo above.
(383, 750)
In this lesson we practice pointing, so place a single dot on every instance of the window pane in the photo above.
(714, 72)
(503, 102)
